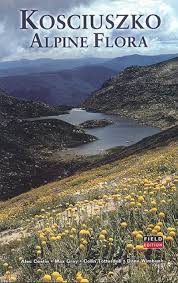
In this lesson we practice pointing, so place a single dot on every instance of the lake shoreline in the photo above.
(139, 120)
(122, 131)
(52, 148)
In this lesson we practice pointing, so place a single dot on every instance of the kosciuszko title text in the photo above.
(74, 31)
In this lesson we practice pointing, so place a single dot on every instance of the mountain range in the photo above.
(68, 87)
(68, 81)
(147, 93)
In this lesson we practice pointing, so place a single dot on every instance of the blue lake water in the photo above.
(123, 132)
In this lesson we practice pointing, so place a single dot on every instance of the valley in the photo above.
(65, 81)
(39, 150)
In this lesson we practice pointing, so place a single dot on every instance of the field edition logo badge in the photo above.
(153, 242)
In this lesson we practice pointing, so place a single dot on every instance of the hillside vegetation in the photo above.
(26, 146)
(11, 107)
(93, 224)
(148, 94)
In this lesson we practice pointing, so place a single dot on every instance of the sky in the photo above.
(14, 43)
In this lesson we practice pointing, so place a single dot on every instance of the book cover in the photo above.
(89, 141)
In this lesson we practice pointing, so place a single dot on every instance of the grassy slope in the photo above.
(105, 189)
(162, 161)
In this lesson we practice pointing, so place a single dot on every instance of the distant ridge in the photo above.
(68, 81)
